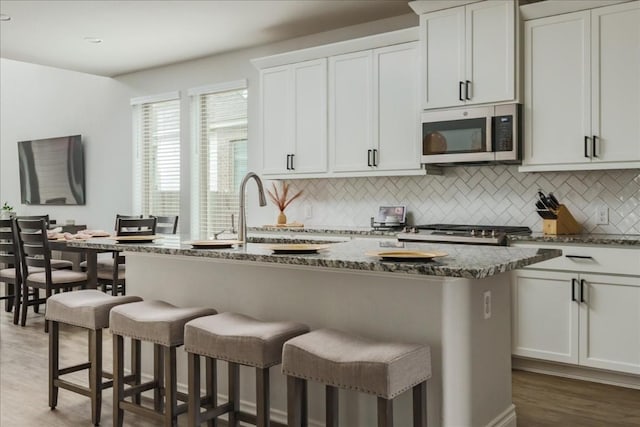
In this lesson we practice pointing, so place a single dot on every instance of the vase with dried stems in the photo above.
(281, 199)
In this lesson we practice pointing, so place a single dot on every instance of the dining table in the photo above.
(91, 256)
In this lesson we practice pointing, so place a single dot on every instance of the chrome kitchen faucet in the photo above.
(242, 226)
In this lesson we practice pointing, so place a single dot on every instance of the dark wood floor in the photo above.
(540, 400)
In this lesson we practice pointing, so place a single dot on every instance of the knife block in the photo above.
(564, 224)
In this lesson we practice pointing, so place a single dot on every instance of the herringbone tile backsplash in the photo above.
(493, 195)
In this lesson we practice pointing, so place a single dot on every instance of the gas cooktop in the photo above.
(462, 233)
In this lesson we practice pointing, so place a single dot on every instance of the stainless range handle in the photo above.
(579, 256)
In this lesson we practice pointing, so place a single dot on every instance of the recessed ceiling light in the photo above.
(4, 17)
(93, 40)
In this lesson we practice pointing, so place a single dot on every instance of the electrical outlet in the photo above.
(602, 215)
(486, 304)
(308, 211)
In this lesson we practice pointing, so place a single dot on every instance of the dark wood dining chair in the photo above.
(59, 264)
(11, 273)
(34, 250)
(167, 224)
(113, 279)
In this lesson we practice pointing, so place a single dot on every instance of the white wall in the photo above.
(42, 102)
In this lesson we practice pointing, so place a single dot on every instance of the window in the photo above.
(157, 157)
(221, 150)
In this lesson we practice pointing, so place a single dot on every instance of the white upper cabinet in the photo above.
(294, 118)
(615, 73)
(350, 111)
(374, 111)
(396, 115)
(468, 54)
(582, 90)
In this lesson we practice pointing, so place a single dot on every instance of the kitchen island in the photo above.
(458, 304)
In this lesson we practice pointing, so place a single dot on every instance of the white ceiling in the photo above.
(140, 34)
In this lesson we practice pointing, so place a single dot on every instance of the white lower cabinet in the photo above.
(582, 308)
(586, 319)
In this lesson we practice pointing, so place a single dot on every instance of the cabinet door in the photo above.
(557, 89)
(396, 107)
(350, 111)
(610, 323)
(490, 51)
(544, 316)
(276, 123)
(615, 47)
(310, 116)
(443, 46)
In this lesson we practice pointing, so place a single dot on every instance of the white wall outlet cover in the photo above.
(602, 215)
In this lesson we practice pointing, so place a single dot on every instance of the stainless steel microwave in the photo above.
(472, 135)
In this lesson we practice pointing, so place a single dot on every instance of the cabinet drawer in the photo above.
(591, 259)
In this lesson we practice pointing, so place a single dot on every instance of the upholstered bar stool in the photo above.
(340, 360)
(238, 340)
(88, 309)
(162, 324)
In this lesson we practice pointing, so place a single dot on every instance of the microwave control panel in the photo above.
(503, 133)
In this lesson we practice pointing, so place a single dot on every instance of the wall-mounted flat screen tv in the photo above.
(52, 171)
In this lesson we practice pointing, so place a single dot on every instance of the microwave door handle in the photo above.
(489, 127)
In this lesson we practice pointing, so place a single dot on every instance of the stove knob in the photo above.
(472, 233)
(493, 233)
(483, 233)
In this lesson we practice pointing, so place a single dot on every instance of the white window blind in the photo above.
(158, 157)
(221, 148)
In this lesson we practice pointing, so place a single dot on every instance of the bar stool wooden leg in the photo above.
(305, 404)
(295, 401)
(385, 412)
(234, 394)
(136, 366)
(95, 374)
(54, 363)
(420, 405)
(331, 409)
(171, 387)
(212, 387)
(118, 380)
(193, 367)
(158, 377)
(262, 397)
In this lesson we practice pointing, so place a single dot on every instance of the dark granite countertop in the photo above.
(468, 261)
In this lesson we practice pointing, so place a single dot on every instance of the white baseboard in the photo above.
(505, 419)
(577, 372)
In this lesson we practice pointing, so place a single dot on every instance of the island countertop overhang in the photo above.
(467, 261)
